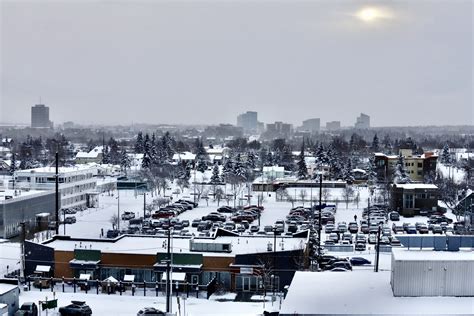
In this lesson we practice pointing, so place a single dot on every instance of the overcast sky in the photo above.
(204, 62)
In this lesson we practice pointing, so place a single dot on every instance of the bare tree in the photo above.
(219, 195)
(326, 194)
(347, 193)
(114, 221)
(303, 194)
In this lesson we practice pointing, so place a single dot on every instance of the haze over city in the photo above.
(403, 63)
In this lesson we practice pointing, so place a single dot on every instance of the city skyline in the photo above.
(325, 59)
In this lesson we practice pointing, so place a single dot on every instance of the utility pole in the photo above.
(118, 209)
(57, 196)
(320, 209)
(378, 250)
(168, 268)
(22, 250)
(195, 165)
(274, 259)
(144, 205)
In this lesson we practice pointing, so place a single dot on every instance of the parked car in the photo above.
(112, 233)
(329, 228)
(411, 229)
(254, 228)
(150, 311)
(226, 209)
(76, 308)
(353, 227)
(341, 264)
(394, 216)
(359, 261)
(214, 216)
(395, 242)
(292, 227)
(27, 309)
(364, 228)
(127, 215)
(70, 220)
(360, 246)
(338, 269)
(437, 229)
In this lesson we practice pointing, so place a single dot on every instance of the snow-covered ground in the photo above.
(458, 175)
(116, 305)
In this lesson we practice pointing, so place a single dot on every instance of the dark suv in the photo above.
(76, 308)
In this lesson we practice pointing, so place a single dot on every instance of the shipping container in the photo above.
(432, 273)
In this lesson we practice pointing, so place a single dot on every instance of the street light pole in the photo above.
(118, 209)
(319, 217)
(144, 205)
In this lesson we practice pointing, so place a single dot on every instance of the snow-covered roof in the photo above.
(404, 254)
(135, 156)
(184, 156)
(216, 150)
(176, 276)
(41, 268)
(273, 169)
(52, 169)
(94, 153)
(359, 170)
(5, 288)
(361, 292)
(152, 245)
(413, 186)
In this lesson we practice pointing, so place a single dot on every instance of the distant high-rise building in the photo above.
(363, 121)
(40, 116)
(333, 126)
(280, 129)
(248, 121)
(311, 125)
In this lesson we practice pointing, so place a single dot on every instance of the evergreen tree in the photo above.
(239, 170)
(262, 158)
(153, 149)
(371, 173)
(201, 156)
(215, 178)
(251, 163)
(400, 175)
(227, 170)
(12, 164)
(302, 169)
(125, 162)
(139, 146)
(347, 172)
(375, 143)
(269, 159)
(445, 156)
(387, 143)
(105, 155)
(114, 155)
(320, 155)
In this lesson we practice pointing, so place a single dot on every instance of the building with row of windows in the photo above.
(417, 166)
(76, 184)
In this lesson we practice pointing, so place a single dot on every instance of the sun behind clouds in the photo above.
(372, 14)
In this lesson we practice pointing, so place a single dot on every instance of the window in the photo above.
(420, 165)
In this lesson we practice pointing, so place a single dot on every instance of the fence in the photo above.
(73, 285)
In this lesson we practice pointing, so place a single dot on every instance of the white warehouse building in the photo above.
(75, 183)
(432, 273)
